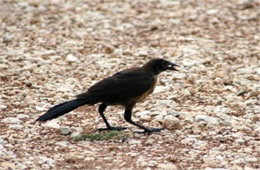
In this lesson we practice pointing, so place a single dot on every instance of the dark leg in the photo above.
(101, 110)
(128, 115)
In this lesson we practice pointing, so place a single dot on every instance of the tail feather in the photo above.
(61, 109)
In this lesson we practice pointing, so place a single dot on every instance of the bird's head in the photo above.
(158, 65)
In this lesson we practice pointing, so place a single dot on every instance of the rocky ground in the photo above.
(52, 50)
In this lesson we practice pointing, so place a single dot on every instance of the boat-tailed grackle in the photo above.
(124, 88)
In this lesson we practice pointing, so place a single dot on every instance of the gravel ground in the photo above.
(52, 50)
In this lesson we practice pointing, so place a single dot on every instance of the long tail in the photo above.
(61, 109)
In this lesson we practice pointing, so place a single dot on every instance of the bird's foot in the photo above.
(151, 130)
(111, 128)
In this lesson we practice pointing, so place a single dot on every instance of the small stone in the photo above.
(22, 116)
(241, 92)
(28, 84)
(245, 4)
(189, 140)
(38, 108)
(175, 114)
(8, 165)
(108, 48)
(246, 70)
(248, 150)
(2, 148)
(3, 107)
(220, 157)
(160, 89)
(225, 123)
(7, 39)
(200, 145)
(236, 167)
(133, 141)
(141, 52)
(171, 122)
(251, 159)
(180, 76)
(173, 158)
(2, 141)
(212, 11)
(240, 141)
(16, 127)
(144, 115)
(221, 138)
(207, 119)
(63, 143)
(52, 124)
(167, 166)
(75, 134)
(11, 120)
(71, 58)
(45, 166)
(65, 130)
(189, 63)
(239, 161)
(253, 94)
(151, 163)
(43, 160)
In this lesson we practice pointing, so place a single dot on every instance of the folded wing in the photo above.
(119, 87)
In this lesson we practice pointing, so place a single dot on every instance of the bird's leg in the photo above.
(128, 115)
(101, 110)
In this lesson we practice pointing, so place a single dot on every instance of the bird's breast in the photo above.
(149, 91)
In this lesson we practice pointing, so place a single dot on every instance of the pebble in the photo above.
(63, 143)
(171, 122)
(222, 138)
(142, 52)
(71, 58)
(2, 147)
(108, 48)
(7, 38)
(133, 141)
(52, 124)
(22, 116)
(16, 127)
(11, 120)
(245, 4)
(189, 140)
(200, 145)
(207, 119)
(65, 130)
(39, 108)
(168, 166)
(74, 134)
(240, 141)
(178, 75)
(2, 141)
(189, 63)
(8, 165)
(144, 115)
(3, 107)
(43, 159)
(251, 159)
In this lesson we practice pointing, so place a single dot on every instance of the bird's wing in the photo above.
(125, 84)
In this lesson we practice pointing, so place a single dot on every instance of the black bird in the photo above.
(124, 88)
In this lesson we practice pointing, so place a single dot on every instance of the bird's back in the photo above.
(125, 87)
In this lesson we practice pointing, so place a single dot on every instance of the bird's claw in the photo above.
(151, 130)
(112, 128)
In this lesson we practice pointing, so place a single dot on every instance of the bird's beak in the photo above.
(172, 66)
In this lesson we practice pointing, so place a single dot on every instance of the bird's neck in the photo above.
(152, 70)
